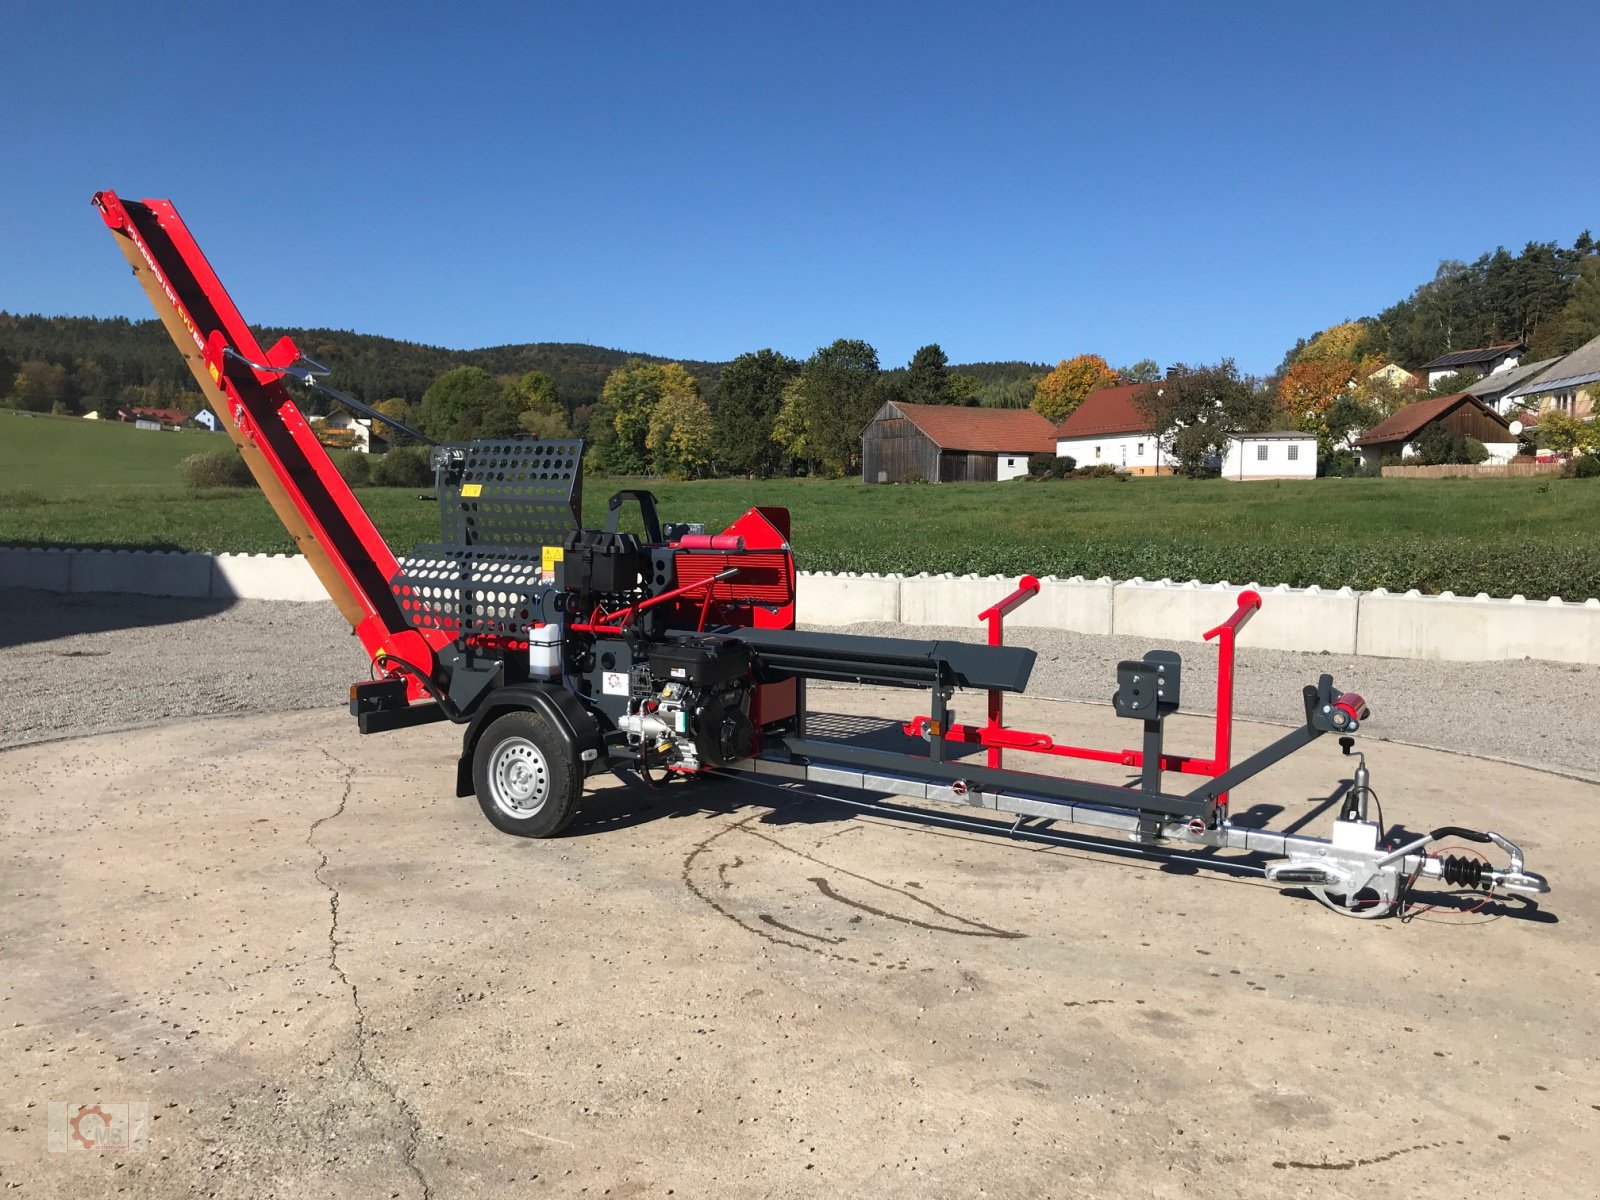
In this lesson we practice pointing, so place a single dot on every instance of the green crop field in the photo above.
(82, 483)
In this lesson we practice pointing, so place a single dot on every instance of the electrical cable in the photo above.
(1406, 915)
(417, 673)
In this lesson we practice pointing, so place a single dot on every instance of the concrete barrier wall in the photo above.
(1307, 619)
(1289, 618)
(1479, 629)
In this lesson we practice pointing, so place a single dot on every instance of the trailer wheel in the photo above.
(527, 781)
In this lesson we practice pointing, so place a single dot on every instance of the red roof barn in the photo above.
(946, 443)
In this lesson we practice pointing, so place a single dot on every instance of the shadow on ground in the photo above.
(28, 616)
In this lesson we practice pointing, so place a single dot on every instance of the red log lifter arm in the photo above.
(314, 503)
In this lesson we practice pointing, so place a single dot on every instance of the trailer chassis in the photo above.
(1358, 872)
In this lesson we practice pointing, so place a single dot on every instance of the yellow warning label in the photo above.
(216, 374)
(552, 555)
(469, 490)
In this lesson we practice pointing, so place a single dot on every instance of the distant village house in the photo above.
(946, 443)
(1108, 427)
(1463, 413)
(1484, 361)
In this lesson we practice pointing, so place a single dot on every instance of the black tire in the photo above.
(527, 780)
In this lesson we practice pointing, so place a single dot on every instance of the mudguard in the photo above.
(558, 706)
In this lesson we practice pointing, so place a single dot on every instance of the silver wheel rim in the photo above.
(519, 778)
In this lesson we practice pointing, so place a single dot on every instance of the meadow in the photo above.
(83, 483)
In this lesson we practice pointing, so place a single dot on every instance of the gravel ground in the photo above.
(79, 664)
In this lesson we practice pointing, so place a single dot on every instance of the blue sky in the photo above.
(1174, 181)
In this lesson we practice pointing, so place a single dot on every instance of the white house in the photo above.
(1109, 428)
(1282, 454)
(208, 419)
(1482, 362)
(359, 428)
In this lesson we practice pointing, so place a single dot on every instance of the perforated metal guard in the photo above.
(512, 494)
(470, 591)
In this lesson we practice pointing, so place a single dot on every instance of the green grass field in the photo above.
(83, 483)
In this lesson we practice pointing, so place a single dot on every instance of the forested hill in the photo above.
(101, 358)
(1547, 297)
(106, 355)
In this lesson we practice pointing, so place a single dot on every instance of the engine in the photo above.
(691, 707)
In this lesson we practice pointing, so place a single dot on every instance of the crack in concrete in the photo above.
(362, 1069)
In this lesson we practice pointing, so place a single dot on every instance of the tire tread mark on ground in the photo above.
(769, 919)
(981, 931)
(986, 930)
(1352, 1163)
(705, 844)
(362, 1069)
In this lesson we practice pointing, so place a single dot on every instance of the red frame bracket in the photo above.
(996, 738)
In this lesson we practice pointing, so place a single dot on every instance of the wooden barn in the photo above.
(1395, 436)
(946, 443)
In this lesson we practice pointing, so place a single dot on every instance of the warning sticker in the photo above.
(614, 683)
(469, 490)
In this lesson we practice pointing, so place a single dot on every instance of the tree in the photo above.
(749, 394)
(1060, 392)
(1461, 381)
(828, 406)
(1579, 320)
(621, 423)
(38, 386)
(680, 435)
(1009, 393)
(1559, 433)
(964, 389)
(1349, 416)
(539, 412)
(1437, 446)
(467, 402)
(1195, 410)
(1335, 344)
(1146, 370)
(1309, 388)
(928, 377)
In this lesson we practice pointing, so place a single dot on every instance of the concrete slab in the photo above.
(328, 977)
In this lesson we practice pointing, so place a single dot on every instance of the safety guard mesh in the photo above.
(466, 591)
(509, 494)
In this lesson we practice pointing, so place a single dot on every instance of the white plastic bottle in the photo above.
(544, 652)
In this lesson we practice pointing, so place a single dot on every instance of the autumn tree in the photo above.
(928, 376)
(749, 393)
(395, 408)
(828, 406)
(680, 434)
(1559, 433)
(1336, 344)
(1059, 393)
(1195, 410)
(1309, 390)
(621, 424)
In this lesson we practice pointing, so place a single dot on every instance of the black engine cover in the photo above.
(708, 662)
